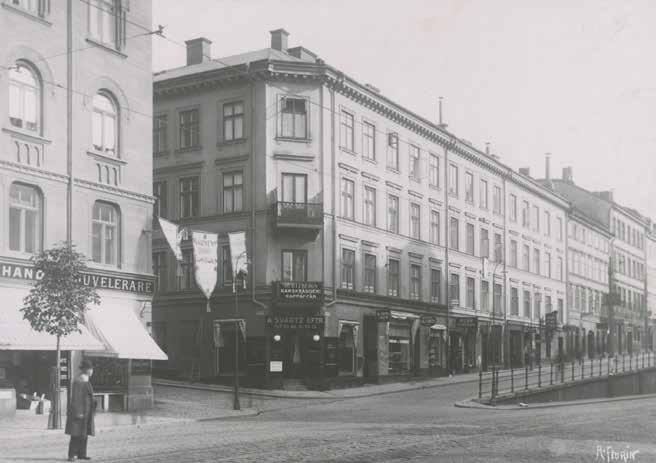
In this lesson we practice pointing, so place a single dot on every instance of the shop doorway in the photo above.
(591, 344)
(370, 343)
(516, 349)
(455, 348)
(301, 353)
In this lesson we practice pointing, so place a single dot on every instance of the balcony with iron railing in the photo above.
(288, 216)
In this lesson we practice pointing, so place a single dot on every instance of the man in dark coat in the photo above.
(80, 413)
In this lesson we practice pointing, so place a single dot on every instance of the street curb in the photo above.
(471, 403)
(259, 393)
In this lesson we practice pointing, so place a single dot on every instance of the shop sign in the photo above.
(383, 315)
(551, 320)
(299, 292)
(295, 322)
(466, 322)
(141, 367)
(130, 285)
(428, 320)
(275, 366)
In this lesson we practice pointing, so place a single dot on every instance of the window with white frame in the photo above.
(393, 276)
(454, 230)
(415, 221)
(369, 283)
(415, 281)
(525, 214)
(294, 188)
(485, 243)
(28, 5)
(186, 277)
(526, 264)
(233, 121)
(393, 213)
(514, 301)
(189, 197)
(527, 304)
(485, 296)
(498, 247)
(160, 133)
(513, 253)
(536, 261)
(547, 264)
(24, 97)
(105, 233)
(469, 238)
(536, 218)
(453, 180)
(103, 23)
(370, 206)
(434, 170)
(25, 218)
(348, 198)
(189, 128)
(348, 268)
(368, 141)
(496, 200)
(233, 191)
(413, 156)
(513, 208)
(483, 194)
(160, 271)
(104, 127)
(294, 265)
(294, 118)
(435, 227)
(469, 187)
(393, 150)
(436, 282)
(547, 223)
(470, 299)
(346, 131)
(160, 209)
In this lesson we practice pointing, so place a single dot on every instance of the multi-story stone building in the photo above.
(75, 165)
(380, 243)
(650, 243)
(627, 276)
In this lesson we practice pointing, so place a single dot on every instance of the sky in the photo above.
(574, 78)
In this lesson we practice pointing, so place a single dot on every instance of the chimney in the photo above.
(198, 51)
(279, 39)
(547, 167)
(441, 124)
(525, 171)
(607, 195)
(487, 148)
(568, 174)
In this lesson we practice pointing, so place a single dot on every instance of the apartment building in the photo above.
(378, 241)
(75, 164)
(650, 243)
(627, 280)
(588, 261)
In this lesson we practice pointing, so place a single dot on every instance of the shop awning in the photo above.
(17, 334)
(438, 327)
(116, 325)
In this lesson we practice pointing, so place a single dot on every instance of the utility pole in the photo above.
(235, 401)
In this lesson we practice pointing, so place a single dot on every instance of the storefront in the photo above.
(114, 336)
(462, 343)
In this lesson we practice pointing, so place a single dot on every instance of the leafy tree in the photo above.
(57, 302)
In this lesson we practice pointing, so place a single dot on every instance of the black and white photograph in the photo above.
(336, 231)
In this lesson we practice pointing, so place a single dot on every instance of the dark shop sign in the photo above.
(383, 315)
(428, 320)
(467, 322)
(129, 285)
(298, 292)
(294, 322)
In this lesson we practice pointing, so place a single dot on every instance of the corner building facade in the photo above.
(378, 240)
(75, 164)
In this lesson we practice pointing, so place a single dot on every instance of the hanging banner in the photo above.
(205, 261)
(238, 253)
(173, 235)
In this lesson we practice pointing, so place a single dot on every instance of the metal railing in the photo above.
(298, 213)
(497, 381)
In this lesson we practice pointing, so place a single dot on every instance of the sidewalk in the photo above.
(346, 393)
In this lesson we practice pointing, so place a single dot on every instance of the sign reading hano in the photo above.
(293, 322)
(205, 262)
(428, 320)
(466, 322)
(299, 292)
(130, 285)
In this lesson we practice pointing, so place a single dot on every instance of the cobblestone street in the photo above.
(418, 426)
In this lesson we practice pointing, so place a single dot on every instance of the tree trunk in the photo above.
(55, 409)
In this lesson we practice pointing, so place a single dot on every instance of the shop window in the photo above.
(25, 218)
(436, 348)
(399, 349)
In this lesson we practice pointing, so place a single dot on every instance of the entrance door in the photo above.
(370, 342)
(456, 351)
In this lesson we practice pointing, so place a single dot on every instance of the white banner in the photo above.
(238, 252)
(205, 260)
(173, 235)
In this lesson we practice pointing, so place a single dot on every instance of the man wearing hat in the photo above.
(80, 414)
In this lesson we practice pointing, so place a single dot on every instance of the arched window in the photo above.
(24, 98)
(105, 124)
(105, 234)
(25, 218)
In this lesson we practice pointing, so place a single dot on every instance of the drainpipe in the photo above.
(505, 273)
(334, 194)
(447, 275)
(69, 123)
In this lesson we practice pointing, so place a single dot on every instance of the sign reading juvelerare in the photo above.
(118, 283)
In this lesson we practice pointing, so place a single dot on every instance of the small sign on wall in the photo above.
(275, 366)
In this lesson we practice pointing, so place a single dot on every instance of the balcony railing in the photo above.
(298, 215)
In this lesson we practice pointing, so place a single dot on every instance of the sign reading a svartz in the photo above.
(130, 285)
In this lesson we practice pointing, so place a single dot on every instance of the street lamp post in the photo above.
(499, 261)
(235, 402)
